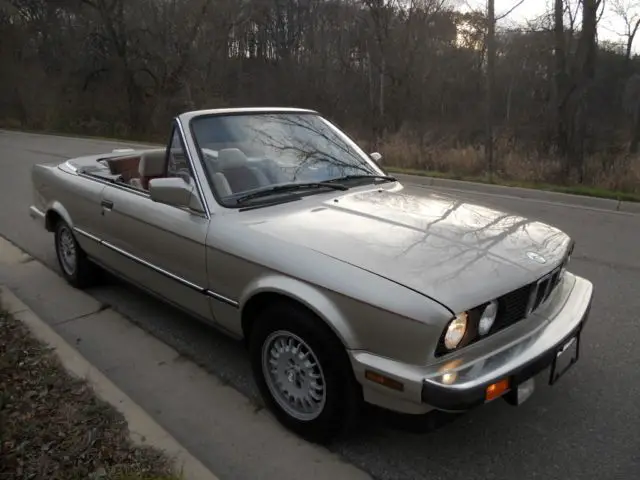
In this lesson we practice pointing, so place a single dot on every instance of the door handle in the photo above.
(107, 204)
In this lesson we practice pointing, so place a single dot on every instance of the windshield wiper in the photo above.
(290, 187)
(386, 178)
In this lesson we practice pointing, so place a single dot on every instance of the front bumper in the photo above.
(459, 382)
(467, 395)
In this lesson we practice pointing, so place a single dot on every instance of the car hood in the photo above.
(458, 253)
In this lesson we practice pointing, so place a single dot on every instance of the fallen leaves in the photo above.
(53, 426)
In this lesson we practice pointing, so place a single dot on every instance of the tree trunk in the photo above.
(560, 79)
(634, 146)
(491, 58)
(587, 52)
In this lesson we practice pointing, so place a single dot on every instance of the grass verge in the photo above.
(574, 190)
(53, 426)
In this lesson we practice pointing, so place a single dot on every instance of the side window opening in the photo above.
(177, 162)
(137, 171)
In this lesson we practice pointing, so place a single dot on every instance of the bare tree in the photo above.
(430, 84)
(629, 12)
(561, 78)
(491, 60)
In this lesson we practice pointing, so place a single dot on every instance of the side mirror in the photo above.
(175, 191)
(376, 157)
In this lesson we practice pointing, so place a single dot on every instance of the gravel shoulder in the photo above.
(53, 426)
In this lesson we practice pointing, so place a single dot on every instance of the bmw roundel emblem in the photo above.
(536, 257)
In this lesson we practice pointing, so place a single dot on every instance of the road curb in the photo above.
(519, 192)
(143, 429)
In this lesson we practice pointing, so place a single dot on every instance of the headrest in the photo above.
(231, 158)
(152, 163)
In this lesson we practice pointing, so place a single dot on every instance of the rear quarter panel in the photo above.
(74, 198)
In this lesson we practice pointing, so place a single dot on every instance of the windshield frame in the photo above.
(224, 201)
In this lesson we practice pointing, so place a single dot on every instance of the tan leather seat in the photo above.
(240, 176)
(221, 185)
(153, 164)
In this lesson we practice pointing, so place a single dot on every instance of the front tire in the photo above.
(303, 373)
(76, 268)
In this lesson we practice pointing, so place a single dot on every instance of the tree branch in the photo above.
(510, 11)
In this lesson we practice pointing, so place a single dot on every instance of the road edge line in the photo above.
(143, 429)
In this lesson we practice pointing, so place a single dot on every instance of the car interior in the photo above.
(137, 170)
(231, 171)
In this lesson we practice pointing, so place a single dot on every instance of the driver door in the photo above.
(159, 247)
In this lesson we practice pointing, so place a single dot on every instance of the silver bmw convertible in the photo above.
(346, 286)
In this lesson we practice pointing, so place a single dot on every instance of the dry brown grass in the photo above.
(619, 173)
(605, 175)
(53, 427)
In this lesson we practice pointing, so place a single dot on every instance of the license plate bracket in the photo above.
(521, 393)
(565, 357)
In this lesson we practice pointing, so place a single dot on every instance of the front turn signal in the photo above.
(497, 389)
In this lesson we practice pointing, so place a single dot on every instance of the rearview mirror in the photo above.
(376, 157)
(175, 191)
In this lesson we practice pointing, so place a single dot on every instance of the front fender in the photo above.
(311, 297)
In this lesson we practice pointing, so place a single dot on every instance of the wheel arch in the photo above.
(284, 289)
(55, 212)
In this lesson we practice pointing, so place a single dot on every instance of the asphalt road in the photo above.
(586, 427)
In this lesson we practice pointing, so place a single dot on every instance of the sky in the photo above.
(610, 25)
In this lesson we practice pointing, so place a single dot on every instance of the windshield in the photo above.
(248, 152)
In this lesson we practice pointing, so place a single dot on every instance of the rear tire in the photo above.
(76, 267)
(303, 373)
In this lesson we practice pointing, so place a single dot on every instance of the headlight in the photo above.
(456, 331)
(487, 318)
